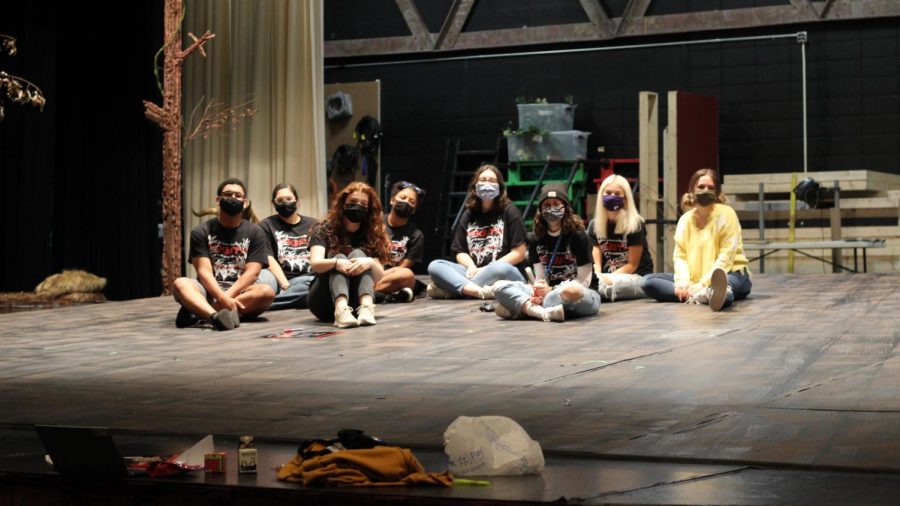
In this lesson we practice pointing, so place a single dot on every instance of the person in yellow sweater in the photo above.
(710, 265)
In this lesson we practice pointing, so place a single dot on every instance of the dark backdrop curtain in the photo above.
(82, 180)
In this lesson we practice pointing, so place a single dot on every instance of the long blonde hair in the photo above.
(629, 220)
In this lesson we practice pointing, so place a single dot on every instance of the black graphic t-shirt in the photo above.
(320, 238)
(289, 244)
(614, 249)
(572, 250)
(229, 249)
(406, 242)
(487, 237)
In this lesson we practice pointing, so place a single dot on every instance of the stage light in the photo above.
(808, 190)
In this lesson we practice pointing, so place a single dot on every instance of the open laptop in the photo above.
(85, 452)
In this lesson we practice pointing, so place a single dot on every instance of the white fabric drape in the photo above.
(270, 50)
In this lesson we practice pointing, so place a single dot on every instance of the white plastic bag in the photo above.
(491, 446)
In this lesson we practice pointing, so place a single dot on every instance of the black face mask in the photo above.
(230, 206)
(286, 209)
(355, 212)
(704, 197)
(403, 209)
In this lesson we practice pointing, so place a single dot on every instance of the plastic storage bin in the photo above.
(547, 117)
(568, 145)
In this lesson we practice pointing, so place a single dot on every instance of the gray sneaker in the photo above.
(436, 292)
(718, 289)
(502, 311)
(226, 319)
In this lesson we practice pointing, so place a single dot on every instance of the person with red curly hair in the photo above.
(348, 250)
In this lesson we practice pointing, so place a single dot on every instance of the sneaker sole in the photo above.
(719, 285)
(501, 311)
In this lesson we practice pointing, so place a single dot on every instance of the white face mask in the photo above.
(487, 191)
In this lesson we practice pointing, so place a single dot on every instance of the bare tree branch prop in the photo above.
(217, 118)
(18, 89)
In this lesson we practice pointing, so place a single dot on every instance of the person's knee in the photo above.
(404, 275)
(182, 285)
(357, 253)
(571, 292)
(435, 265)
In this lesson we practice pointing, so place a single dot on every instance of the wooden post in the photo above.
(168, 117)
(648, 174)
(670, 182)
(836, 235)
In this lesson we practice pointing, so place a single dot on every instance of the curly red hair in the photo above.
(376, 243)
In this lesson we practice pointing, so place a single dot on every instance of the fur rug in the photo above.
(67, 288)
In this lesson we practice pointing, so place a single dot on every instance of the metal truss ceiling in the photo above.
(633, 22)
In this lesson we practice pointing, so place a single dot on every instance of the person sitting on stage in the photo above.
(560, 251)
(347, 251)
(619, 241)
(710, 266)
(407, 243)
(489, 242)
(228, 253)
(288, 239)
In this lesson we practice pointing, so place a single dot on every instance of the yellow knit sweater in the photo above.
(700, 250)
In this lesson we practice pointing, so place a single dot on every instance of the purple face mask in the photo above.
(613, 202)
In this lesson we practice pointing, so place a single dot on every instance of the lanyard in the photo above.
(552, 257)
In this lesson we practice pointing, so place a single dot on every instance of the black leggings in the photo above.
(330, 285)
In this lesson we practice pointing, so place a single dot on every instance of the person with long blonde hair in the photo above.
(348, 250)
(710, 265)
(619, 239)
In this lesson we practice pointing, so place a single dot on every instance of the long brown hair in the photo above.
(687, 200)
(473, 202)
(376, 243)
(571, 222)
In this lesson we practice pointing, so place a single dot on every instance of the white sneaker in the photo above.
(718, 289)
(503, 312)
(436, 292)
(365, 315)
(487, 292)
(554, 314)
(700, 297)
(344, 319)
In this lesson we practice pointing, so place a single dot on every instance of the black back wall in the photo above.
(852, 72)
(82, 179)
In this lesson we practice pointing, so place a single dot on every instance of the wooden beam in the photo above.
(634, 22)
(805, 7)
(453, 24)
(635, 10)
(716, 20)
(528, 35)
(416, 24)
(604, 27)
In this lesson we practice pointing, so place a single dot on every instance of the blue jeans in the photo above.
(451, 276)
(294, 297)
(661, 286)
(514, 295)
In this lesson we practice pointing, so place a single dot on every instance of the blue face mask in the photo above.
(487, 191)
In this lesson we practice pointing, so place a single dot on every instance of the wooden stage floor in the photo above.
(803, 375)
